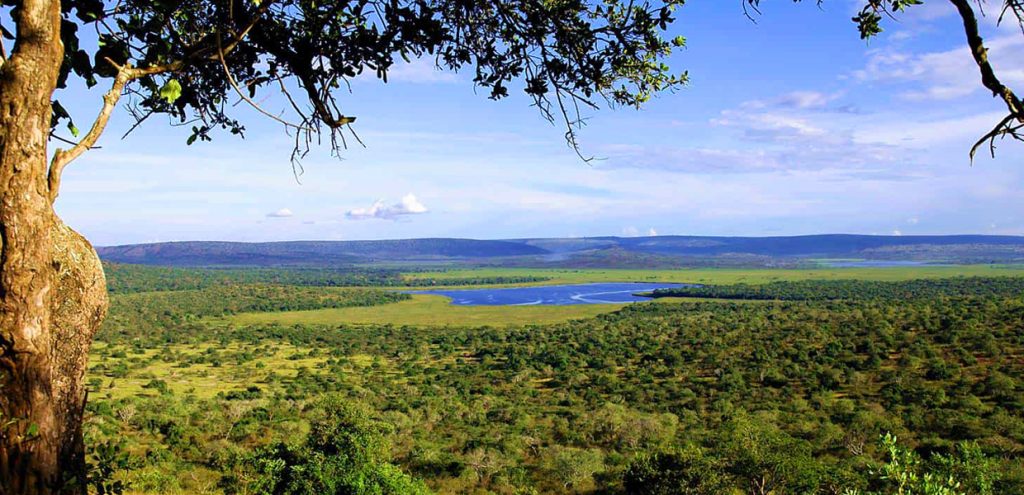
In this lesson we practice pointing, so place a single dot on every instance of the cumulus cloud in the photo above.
(282, 213)
(632, 231)
(409, 205)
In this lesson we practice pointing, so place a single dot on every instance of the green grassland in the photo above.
(429, 310)
(726, 275)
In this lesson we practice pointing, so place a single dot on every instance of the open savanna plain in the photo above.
(435, 310)
(224, 381)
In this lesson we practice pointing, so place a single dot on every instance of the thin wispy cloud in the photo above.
(800, 100)
(792, 132)
(409, 205)
(943, 75)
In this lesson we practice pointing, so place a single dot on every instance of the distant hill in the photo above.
(317, 253)
(830, 245)
(579, 252)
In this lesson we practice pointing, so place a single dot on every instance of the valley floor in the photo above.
(200, 390)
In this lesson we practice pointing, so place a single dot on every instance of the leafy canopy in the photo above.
(189, 59)
(194, 61)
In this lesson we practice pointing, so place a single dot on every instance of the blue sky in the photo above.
(790, 126)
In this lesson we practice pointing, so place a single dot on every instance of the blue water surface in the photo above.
(602, 293)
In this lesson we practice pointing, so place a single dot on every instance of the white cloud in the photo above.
(897, 232)
(422, 71)
(799, 100)
(409, 205)
(920, 132)
(282, 213)
(632, 231)
(945, 75)
(778, 138)
(769, 125)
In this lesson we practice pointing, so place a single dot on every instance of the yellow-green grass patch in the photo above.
(204, 380)
(429, 310)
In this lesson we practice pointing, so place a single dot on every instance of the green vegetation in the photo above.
(825, 290)
(346, 451)
(430, 310)
(163, 311)
(724, 276)
(124, 278)
(699, 397)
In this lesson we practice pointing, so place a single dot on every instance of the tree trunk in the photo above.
(52, 290)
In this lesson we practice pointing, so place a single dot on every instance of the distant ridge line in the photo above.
(975, 247)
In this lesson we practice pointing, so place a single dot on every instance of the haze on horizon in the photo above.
(790, 126)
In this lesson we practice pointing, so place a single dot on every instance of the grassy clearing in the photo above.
(728, 275)
(271, 366)
(429, 310)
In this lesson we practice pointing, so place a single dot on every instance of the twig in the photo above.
(1002, 129)
(231, 80)
(56, 136)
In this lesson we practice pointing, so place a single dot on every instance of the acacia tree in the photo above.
(188, 61)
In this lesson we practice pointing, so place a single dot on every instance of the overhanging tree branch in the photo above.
(980, 54)
(63, 157)
(125, 74)
(1008, 126)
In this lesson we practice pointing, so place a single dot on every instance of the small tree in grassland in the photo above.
(574, 467)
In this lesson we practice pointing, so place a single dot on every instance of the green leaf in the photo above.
(73, 128)
(171, 90)
(32, 431)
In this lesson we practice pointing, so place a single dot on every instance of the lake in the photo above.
(598, 293)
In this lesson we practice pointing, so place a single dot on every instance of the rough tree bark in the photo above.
(52, 289)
